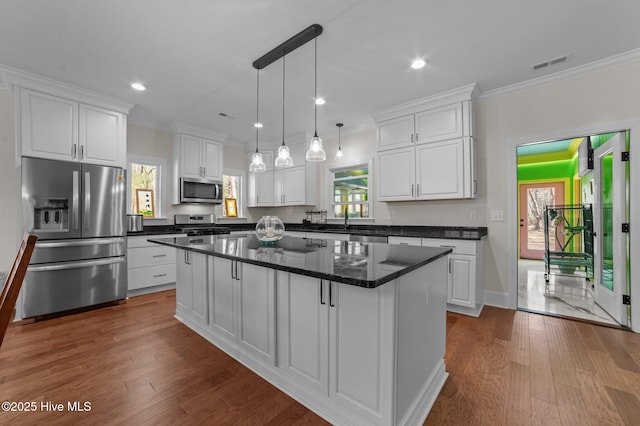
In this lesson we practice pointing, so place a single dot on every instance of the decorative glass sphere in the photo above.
(270, 229)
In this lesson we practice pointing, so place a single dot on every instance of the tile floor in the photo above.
(566, 295)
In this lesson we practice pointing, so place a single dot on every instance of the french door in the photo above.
(533, 198)
(610, 242)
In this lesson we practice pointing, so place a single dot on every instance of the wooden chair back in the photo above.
(14, 280)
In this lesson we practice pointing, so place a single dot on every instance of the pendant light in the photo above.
(315, 151)
(284, 158)
(257, 163)
(339, 154)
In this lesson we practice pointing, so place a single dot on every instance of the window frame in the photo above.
(161, 196)
(331, 171)
(241, 200)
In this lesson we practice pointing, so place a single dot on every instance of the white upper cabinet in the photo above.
(62, 129)
(426, 149)
(199, 158)
(261, 189)
(290, 186)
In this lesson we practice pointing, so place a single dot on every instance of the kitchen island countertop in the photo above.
(350, 262)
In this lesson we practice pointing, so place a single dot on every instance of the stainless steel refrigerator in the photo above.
(78, 212)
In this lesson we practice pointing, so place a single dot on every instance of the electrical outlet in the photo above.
(473, 215)
(497, 215)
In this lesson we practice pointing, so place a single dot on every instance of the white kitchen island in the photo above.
(354, 331)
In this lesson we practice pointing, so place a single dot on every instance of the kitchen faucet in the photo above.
(346, 216)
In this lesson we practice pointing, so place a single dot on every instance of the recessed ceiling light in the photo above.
(418, 63)
(320, 101)
(258, 125)
(138, 86)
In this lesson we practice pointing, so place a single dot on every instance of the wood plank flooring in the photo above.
(135, 364)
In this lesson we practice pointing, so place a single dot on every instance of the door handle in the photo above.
(87, 200)
(76, 200)
(331, 295)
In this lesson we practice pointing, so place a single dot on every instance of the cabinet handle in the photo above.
(450, 265)
(411, 137)
(186, 258)
(159, 275)
(237, 277)
(417, 136)
(74, 149)
(331, 295)
(204, 171)
(159, 255)
(322, 302)
(81, 152)
(417, 190)
(475, 186)
(412, 188)
(232, 277)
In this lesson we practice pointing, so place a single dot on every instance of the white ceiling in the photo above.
(195, 56)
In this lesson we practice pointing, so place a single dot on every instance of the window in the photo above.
(145, 191)
(351, 191)
(232, 190)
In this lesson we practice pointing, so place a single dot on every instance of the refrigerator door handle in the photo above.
(83, 242)
(72, 265)
(76, 200)
(87, 201)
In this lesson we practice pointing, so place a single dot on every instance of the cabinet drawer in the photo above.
(458, 246)
(405, 241)
(150, 256)
(151, 276)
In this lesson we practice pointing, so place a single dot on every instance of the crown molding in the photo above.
(202, 132)
(464, 93)
(149, 123)
(13, 78)
(579, 71)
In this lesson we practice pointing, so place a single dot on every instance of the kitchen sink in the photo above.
(369, 238)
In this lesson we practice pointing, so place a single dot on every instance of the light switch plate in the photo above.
(497, 215)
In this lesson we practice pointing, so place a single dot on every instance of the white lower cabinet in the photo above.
(192, 286)
(150, 267)
(465, 273)
(336, 341)
(242, 306)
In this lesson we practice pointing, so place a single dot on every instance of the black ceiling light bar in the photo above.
(288, 46)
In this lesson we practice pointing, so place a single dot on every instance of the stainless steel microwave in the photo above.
(200, 191)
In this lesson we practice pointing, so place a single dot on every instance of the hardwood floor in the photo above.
(136, 364)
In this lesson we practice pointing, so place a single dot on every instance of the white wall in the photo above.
(585, 102)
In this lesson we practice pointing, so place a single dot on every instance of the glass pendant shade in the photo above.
(284, 158)
(315, 151)
(257, 163)
(339, 154)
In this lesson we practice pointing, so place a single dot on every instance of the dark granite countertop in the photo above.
(356, 263)
(154, 230)
(446, 232)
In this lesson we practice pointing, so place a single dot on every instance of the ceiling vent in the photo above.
(551, 62)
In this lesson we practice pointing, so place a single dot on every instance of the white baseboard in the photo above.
(496, 298)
